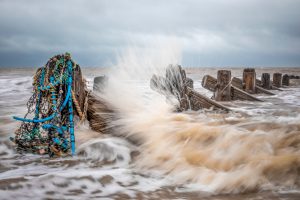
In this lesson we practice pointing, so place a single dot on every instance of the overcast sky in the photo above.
(211, 32)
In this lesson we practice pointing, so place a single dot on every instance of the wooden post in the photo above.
(223, 91)
(286, 80)
(265, 81)
(99, 83)
(277, 79)
(249, 80)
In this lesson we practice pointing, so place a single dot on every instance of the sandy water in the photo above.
(251, 153)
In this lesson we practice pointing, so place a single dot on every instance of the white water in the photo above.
(252, 149)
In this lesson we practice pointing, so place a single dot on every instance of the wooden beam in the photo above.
(238, 94)
(199, 101)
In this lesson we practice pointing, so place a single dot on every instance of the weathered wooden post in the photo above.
(249, 80)
(277, 79)
(223, 90)
(265, 81)
(286, 80)
(99, 83)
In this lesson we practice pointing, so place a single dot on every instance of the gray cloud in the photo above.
(212, 32)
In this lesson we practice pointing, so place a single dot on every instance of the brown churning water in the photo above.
(252, 149)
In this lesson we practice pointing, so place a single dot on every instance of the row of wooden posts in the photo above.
(226, 88)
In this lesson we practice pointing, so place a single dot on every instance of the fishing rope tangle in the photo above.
(51, 130)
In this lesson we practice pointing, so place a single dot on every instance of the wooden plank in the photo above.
(209, 82)
(237, 82)
(262, 90)
(199, 101)
(238, 94)
(275, 88)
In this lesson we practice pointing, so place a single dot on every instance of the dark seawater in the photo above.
(251, 153)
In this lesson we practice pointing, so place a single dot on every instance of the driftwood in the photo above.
(210, 83)
(175, 83)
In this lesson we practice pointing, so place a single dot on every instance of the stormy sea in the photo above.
(252, 152)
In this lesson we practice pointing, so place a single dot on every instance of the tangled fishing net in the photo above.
(58, 101)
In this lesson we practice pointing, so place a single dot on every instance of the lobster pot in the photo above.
(58, 102)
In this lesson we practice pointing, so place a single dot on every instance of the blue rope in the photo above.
(55, 79)
(71, 121)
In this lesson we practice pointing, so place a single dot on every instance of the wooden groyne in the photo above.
(235, 93)
(176, 83)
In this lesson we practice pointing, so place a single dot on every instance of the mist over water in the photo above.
(154, 152)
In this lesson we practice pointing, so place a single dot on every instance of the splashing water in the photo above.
(154, 152)
(219, 153)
